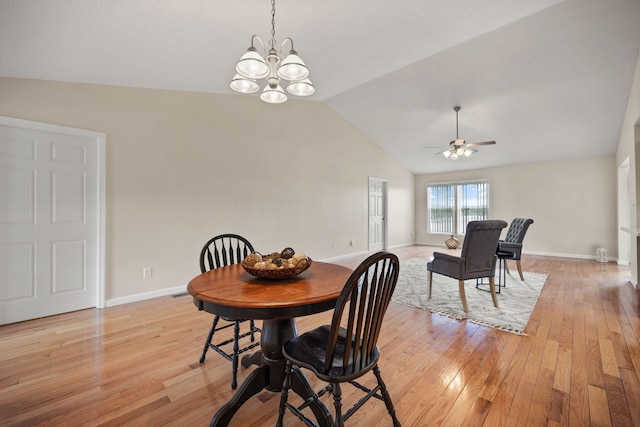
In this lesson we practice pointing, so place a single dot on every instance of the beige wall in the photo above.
(628, 151)
(573, 204)
(182, 167)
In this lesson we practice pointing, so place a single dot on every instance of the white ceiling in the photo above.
(546, 79)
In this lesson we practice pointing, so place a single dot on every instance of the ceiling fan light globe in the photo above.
(446, 154)
(454, 156)
(468, 153)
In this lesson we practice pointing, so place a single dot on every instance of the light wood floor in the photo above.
(137, 364)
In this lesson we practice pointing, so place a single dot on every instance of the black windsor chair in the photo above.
(220, 251)
(346, 350)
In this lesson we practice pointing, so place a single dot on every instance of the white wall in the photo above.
(182, 167)
(573, 204)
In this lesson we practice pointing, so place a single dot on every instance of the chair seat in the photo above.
(309, 350)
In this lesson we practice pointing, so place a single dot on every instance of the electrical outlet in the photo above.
(146, 272)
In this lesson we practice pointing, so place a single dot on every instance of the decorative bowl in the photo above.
(279, 272)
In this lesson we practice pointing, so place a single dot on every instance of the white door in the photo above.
(50, 220)
(377, 214)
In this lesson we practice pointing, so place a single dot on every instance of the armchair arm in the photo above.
(448, 258)
(515, 248)
(447, 265)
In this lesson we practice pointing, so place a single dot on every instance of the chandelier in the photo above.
(274, 67)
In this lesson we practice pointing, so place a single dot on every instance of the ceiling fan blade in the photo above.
(475, 144)
(434, 146)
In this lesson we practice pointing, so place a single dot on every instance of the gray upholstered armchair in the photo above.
(513, 240)
(477, 260)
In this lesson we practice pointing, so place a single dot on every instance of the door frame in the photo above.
(385, 210)
(100, 141)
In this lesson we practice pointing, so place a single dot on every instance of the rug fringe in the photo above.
(477, 322)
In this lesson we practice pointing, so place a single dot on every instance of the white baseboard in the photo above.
(403, 245)
(146, 295)
(181, 289)
(353, 254)
(525, 252)
(339, 257)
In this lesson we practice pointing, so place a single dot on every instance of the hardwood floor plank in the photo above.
(631, 386)
(598, 406)
(617, 400)
(578, 397)
(137, 364)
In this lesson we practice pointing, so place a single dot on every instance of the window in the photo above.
(450, 206)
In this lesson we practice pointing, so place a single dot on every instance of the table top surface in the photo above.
(231, 291)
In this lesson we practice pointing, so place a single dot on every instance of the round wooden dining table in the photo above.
(234, 294)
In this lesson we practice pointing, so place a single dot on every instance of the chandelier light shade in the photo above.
(243, 84)
(274, 67)
(273, 95)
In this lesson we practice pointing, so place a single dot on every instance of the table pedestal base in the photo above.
(270, 375)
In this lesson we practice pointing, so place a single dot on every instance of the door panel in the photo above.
(377, 214)
(50, 224)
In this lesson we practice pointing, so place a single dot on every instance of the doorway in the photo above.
(378, 214)
(624, 214)
(51, 219)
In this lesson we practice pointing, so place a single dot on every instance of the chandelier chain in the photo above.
(272, 42)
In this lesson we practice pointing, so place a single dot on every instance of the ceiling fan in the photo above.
(458, 147)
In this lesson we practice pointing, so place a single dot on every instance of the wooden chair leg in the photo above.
(463, 297)
(337, 403)
(430, 282)
(386, 397)
(520, 269)
(252, 327)
(236, 353)
(492, 286)
(285, 394)
(209, 338)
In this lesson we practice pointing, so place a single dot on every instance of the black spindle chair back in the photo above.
(224, 250)
(221, 251)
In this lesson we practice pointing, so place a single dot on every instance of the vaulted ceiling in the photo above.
(547, 79)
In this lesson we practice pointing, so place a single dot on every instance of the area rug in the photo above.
(516, 300)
